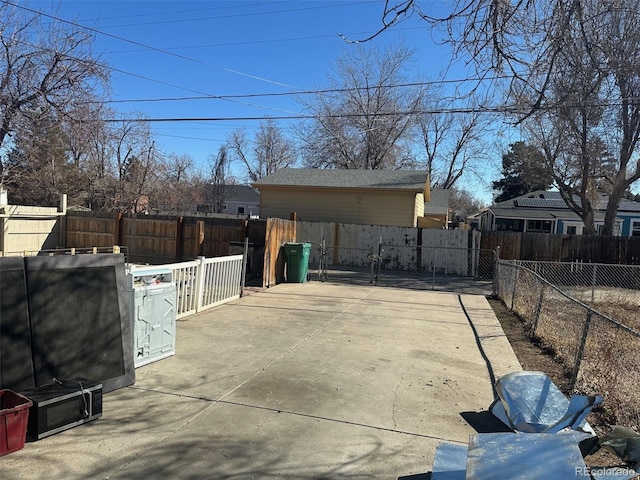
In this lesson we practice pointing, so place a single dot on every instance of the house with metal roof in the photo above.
(370, 197)
(547, 212)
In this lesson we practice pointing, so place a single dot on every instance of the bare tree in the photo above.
(134, 164)
(452, 142)
(178, 183)
(574, 62)
(221, 178)
(269, 151)
(179, 167)
(509, 37)
(366, 122)
(44, 68)
(462, 204)
(590, 124)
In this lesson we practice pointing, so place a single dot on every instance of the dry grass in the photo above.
(610, 364)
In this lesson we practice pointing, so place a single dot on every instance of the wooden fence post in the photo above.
(580, 352)
(118, 234)
(179, 238)
(198, 238)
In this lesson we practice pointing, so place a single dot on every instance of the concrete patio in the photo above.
(298, 381)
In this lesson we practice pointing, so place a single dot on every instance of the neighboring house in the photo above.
(370, 197)
(241, 200)
(436, 211)
(231, 200)
(547, 212)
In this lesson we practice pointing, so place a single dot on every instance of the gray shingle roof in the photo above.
(414, 180)
(439, 203)
(241, 193)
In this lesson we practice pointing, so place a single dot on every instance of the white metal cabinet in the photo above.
(152, 295)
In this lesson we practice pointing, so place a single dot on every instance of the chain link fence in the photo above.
(436, 268)
(611, 289)
(599, 348)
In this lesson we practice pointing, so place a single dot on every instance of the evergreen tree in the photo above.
(523, 171)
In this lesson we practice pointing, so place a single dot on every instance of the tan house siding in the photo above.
(342, 205)
(419, 205)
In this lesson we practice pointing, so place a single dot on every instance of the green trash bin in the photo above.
(297, 255)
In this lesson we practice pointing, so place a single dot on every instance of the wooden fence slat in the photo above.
(563, 248)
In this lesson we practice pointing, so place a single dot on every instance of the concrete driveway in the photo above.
(299, 381)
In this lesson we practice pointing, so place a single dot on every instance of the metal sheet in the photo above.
(515, 456)
(530, 402)
(450, 462)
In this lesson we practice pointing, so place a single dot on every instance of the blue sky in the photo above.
(162, 50)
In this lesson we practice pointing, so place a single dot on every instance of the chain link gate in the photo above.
(464, 270)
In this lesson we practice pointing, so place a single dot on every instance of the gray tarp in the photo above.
(530, 402)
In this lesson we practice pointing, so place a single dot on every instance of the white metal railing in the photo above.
(203, 283)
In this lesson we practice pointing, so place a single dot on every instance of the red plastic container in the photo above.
(14, 415)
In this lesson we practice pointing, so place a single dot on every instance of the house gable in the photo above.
(347, 196)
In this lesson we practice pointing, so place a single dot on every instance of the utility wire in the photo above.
(208, 96)
(192, 10)
(308, 92)
(145, 46)
(149, 79)
(493, 110)
(236, 15)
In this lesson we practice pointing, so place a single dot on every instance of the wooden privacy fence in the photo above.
(278, 232)
(563, 248)
(161, 239)
(25, 229)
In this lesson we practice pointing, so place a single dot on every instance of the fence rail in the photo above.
(600, 351)
(203, 283)
(66, 251)
(596, 284)
(460, 269)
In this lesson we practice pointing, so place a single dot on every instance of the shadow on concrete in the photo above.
(418, 476)
(484, 422)
(410, 280)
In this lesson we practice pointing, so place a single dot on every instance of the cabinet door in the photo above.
(155, 323)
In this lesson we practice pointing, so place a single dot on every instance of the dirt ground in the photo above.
(534, 356)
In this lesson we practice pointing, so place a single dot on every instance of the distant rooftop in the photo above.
(547, 200)
(439, 204)
(370, 179)
(241, 193)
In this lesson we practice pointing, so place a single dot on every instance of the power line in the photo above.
(148, 47)
(194, 10)
(309, 92)
(187, 138)
(492, 110)
(236, 15)
(498, 109)
(143, 77)
(260, 42)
